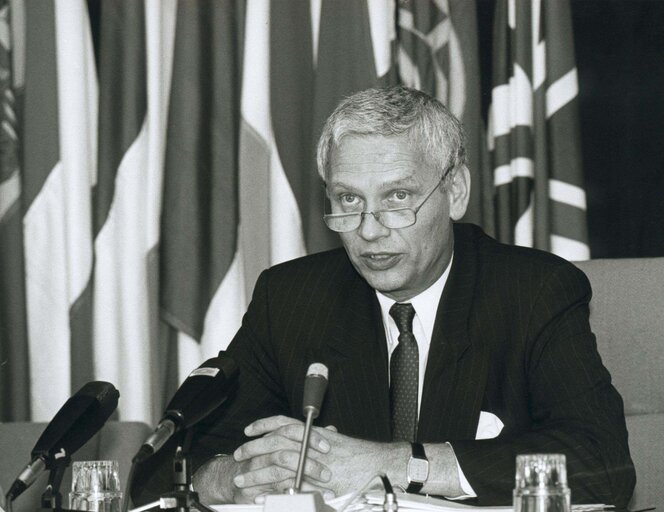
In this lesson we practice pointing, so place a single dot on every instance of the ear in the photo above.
(458, 192)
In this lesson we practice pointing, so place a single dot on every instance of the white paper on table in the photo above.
(414, 502)
(334, 503)
(418, 502)
(408, 502)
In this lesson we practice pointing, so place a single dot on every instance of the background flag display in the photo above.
(14, 364)
(438, 54)
(164, 155)
(533, 129)
(59, 173)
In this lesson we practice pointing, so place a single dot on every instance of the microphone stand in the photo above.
(182, 498)
(303, 452)
(52, 498)
(296, 501)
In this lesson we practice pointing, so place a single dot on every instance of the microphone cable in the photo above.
(390, 502)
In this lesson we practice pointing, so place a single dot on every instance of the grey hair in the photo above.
(429, 126)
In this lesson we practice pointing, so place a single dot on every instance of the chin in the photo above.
(385, 284)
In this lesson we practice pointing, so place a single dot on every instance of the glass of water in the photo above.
(95, 486)
(541, 483)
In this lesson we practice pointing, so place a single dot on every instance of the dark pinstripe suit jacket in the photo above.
(511, 337)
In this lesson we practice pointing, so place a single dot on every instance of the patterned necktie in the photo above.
(404, 368)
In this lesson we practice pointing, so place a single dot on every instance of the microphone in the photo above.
(203, 391)
(315, 385)
(81, 417)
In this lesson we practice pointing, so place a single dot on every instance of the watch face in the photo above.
(418, 470)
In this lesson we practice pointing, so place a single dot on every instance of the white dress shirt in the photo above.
(426, 307)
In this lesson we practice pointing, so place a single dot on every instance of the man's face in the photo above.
(370, 173)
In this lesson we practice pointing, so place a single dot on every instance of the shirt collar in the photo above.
(425, 303)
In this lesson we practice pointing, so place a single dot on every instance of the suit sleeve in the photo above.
(574, 408)
(258, 394)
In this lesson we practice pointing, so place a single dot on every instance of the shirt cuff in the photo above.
(467, 489)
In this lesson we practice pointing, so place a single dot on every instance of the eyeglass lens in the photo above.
(392, 219)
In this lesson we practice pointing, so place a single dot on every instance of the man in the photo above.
(441, 343)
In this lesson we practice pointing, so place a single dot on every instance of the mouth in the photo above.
(380, 260)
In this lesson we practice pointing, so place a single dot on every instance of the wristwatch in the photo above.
(418, 468)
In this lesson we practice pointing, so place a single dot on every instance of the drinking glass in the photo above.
(95, 486)
(541, 483)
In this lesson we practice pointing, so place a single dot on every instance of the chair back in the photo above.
(627, 316)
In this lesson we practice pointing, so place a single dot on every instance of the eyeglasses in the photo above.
(394, 218)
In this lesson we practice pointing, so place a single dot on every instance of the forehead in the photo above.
(376, 158)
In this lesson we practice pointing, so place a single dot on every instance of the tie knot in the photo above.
(403, 315)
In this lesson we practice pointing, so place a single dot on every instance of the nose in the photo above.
(370, 229)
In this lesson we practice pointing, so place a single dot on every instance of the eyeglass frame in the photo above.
(361, 215)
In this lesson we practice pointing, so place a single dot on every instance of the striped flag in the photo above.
(121, 295)
(201, 285)
(126, 284)
(59, 171)
(297, 66)
(14, 366)
(91, 231)
(533, 129)
(265, 181)
(438, 54)
(366, 31)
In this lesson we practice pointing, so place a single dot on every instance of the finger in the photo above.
(295, 432)
(282, 439)
(267, 476)
(321, 438)
(249, 495)
(269, 424)
(264, 445)
(261, 470)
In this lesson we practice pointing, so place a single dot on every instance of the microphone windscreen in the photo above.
(80, 418)
(203, 390)
(317, 369)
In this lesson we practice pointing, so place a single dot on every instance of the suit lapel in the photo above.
(355, 352)
(457, 366)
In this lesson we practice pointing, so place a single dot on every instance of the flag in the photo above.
(159, 179)
(121, 344)
(59, 171)
(201, 285)
(365, 31)
(438, 54)
(92, 196)
(533, 129)
(305, 58)
(258, 159)
(14, 365)
(300, 60)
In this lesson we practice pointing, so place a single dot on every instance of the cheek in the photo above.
(427, 243)
(347, 240)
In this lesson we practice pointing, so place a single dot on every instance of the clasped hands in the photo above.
(336, 464)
